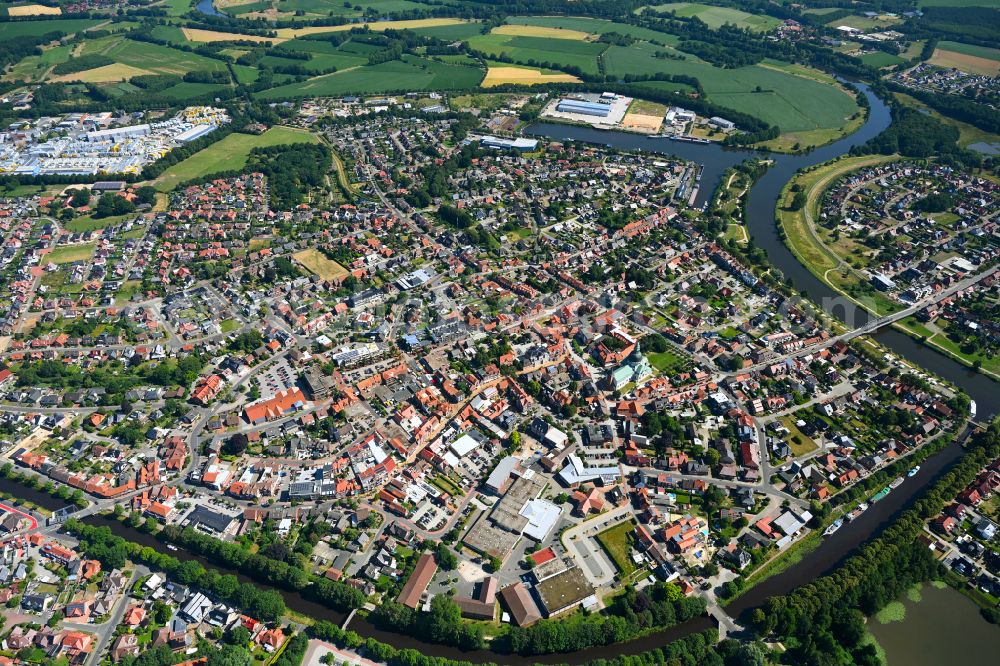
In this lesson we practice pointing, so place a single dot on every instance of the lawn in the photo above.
(317, 263)
(798, 442)
(736, 232)
(666, 362)
(229, 154)
(409, 73)
(715, 17)
(88, 223)
(617, 543)
(67, 254)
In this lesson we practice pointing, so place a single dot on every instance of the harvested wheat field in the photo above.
(199, 35)
(498, 76)
(379, 26)
(965, 62)
(33, 10)
(542, 31)
(642, 123)
(106, 74)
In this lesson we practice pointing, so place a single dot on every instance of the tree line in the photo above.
(334, 594)
(113, 551)
(824, 620)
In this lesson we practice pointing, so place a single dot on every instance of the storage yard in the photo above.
(90, 144)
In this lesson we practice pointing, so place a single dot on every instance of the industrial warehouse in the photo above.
(600, 110)
(100, 143)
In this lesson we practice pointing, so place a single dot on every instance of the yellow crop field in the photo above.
(115, 72)
(965, 62)
(33, 10)
(540, 31)
(199, 35)
(291, 33)
(498, 76)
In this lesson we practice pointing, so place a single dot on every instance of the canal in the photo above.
(760, 221)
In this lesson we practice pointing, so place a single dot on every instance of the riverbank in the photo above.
(803, 239)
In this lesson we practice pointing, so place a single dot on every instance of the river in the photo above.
(760, 221)
(208, 8)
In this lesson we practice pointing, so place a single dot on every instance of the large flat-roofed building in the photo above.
(586, 108)
(418, 581)
(519, 143)
(496, 533)
(523, 609)
(565, 590)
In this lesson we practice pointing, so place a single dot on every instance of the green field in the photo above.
(229, 154)
(864, 23)
(157, 59)
(595, 26)
(715, 17)
(67, 254)
(970, 49)
(321, 8)
(410, 73)
(617, 543)
(11, 29)
(959, 3)
(457, 32)
(666, 362)
(792, 102)
(556, 52)
(880, 59)
(33, 67)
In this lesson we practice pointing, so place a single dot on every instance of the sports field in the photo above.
(968, 58)
(715, 17)
(498, 75)
(231, 153)
(409, 73)
(316, 263)
(33, 10)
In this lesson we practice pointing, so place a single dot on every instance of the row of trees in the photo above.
(632, 614)
(335, 594)
(113, 551)
(825, 618)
